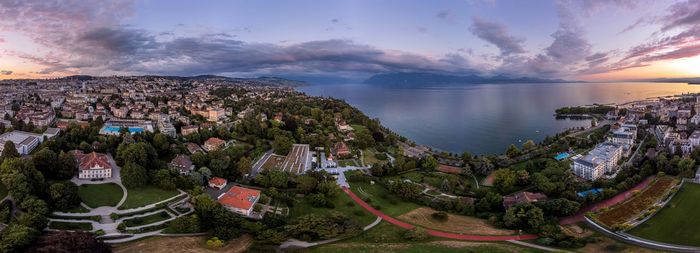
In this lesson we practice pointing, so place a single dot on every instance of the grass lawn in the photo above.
(349, 162)
(70, 225)
(379, 196)
(96, 195)
(386, 237)
(676, 222)
(433, 179)
(341, 202)
(139, 197)
(156, 217)
(3, 191)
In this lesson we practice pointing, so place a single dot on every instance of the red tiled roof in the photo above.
(214, 141)
(239, 197)
(217, 181)
(449, 169)
(94, 159)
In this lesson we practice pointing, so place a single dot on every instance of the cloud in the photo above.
(422, 29)
(335, 20)
(443, 14)
(497, 35)
(6, 72)
(682, 14)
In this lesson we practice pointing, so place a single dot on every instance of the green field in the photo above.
(96, 195)
(341, 202)
(156, 217)
(139, 197)
(86, 226)
(433, 179)
(379, 196)
(676, 222)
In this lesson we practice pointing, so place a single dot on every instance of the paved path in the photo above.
(605, 203)
(436, 233)
(536, 246)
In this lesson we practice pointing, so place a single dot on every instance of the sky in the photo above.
(570, 39)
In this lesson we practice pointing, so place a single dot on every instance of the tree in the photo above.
(64, 195)
(45, 161)
(504, 180)
(416, 234)
(512, 151)
(490, 202)
(63, 241)
(244, 165)
(525, 216)
(16, 237)
(466, 158)
(305, 184)
(206, 172)
(134, 176)
(160, 142)
(163, 179)
(529, 145)
(9, 151)
(282, 145)
(429, 163)
(313, 226)
(66, 166)
(185, 224)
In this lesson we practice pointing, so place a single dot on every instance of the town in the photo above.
(113, 160)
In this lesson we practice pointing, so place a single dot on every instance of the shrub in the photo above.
(416, 234)
(359, 213)
(215, 243)
(440, 216)
(99, 232)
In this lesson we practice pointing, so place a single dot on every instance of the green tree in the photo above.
(134, 176)
(529, 145)
(524, 216)
(9, 151)
(45, 161)
(64, 195)
(504, 180)
(429, 163)
(160, 142)
(282, 145)
(16, 237)
(244, 166)
(512, 151)
(66, 166)
(163, 179)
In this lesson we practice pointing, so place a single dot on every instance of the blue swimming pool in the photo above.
(114, 129)
(561, 156)
(583, 194)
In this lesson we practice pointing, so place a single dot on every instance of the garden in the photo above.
(676, 221)
(623, 212)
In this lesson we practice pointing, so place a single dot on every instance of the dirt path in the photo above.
(448, 235)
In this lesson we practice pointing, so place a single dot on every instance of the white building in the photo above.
(625, 135)
(694, 138)
(599, 161)
(24, 142)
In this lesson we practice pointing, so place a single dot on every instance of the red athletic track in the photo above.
(405, 225)
(606, 203)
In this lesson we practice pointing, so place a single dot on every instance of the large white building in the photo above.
(599, 161)
(92, 165)
(24, 142)
(625, 135)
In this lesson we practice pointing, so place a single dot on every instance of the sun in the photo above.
(686, 66)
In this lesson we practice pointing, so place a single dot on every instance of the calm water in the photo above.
(486, 118)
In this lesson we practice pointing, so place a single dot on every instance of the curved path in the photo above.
(436, 233)
(605, 203)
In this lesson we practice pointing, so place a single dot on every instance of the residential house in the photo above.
(93, 165)
(182, 164)
(214, 143)
(240, 200)
(217, 182)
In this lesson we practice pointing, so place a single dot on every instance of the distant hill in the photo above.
(690, 80)
(408, 80)
(263, 80)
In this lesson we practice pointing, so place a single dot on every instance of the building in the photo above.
(182, 164)
(93, 165)
(599, 161)
(25, 142)
(216, 114)
(193, 147)
(213, 143)
(217, 182)
(341, 149)
(694, 138)
(522, 197)
(240, 200)
(187, 130)
(626, 134)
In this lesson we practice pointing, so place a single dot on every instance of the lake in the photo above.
(485, 118)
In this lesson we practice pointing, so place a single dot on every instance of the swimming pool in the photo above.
(561, 156)
(115, 129)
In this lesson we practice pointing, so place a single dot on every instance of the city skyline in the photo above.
(576, 40)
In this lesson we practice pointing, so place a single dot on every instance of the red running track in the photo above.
(605, 203)
(405, 225)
